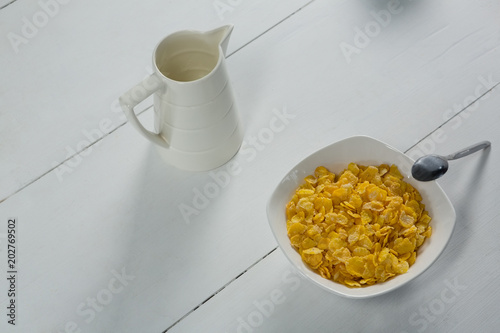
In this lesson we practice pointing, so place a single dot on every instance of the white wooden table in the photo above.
(102, 244)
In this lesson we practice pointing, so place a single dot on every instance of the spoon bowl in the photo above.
(431, 167)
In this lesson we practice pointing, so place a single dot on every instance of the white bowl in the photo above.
(366, 151)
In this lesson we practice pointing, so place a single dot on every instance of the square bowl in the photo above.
(362, 150)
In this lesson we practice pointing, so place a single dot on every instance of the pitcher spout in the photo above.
(221, 36)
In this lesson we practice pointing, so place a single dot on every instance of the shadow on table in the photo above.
(173, 240)
(472, 182)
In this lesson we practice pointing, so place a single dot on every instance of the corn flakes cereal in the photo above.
(360, 227)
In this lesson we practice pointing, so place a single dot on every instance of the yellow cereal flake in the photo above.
(324, 271)
(361, 227)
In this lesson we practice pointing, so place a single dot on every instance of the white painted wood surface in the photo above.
(103, 244)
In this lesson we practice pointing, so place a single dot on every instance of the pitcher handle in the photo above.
(134, 96)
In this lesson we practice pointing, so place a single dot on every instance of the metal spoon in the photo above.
(431, 167)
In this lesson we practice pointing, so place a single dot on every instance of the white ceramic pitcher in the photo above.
(196, 120)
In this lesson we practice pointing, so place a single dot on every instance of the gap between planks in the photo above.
(220, 289)
(9, 3)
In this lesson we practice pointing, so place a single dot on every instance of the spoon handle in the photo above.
(469, 150)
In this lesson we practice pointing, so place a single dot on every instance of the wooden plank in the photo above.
(383, 84)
